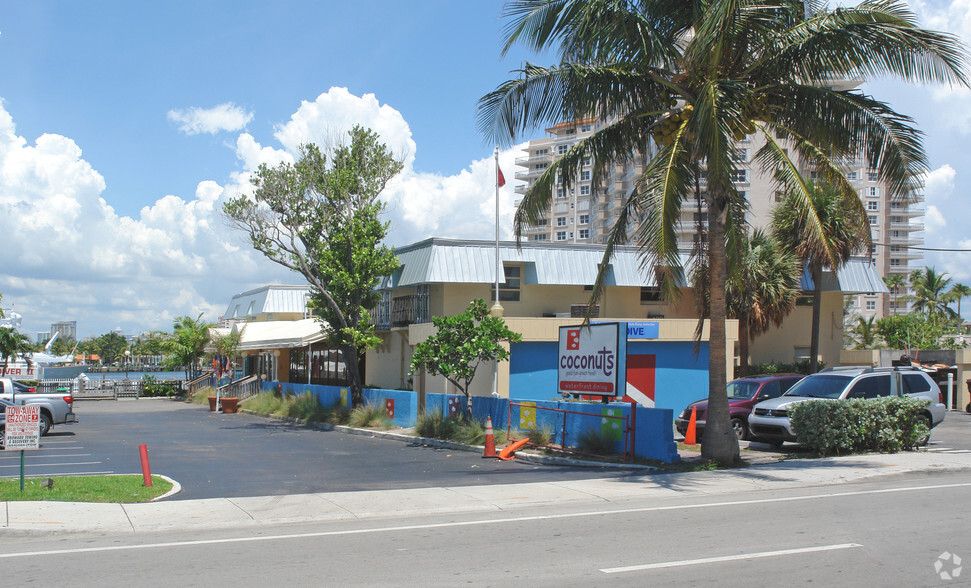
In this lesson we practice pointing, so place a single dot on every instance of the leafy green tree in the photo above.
(461, 343)
(894, 283)
(187, 344)
(13, 345)
(227, 346)
(697, 76)
(823, 226)
(915, 331)
(110, 347)
(320, 217)
(150, 344)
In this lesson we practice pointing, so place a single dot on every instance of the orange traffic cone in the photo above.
(690, 435)
(510, 452)
(490, 442)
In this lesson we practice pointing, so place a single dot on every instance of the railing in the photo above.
(201, 381)
(626, 429)
(242, 389)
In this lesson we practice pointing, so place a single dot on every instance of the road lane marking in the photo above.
(52, 474)
(741, 556)
(369, 531)
(48, 465)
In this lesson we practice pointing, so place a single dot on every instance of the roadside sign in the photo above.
(593, 359)
(22, 430)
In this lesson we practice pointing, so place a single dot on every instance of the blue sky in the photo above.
(125, 125)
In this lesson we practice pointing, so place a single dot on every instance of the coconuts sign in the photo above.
(592, 360)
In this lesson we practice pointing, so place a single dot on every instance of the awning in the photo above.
(279, 334)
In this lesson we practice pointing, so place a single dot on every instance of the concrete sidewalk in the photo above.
(30, 518)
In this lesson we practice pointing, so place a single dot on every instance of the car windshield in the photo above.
(742, 390)
(820, 386)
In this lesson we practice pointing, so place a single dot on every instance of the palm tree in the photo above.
(13, 345)
(696, 76)
(823, 227)
(187, 343)
(959, 292)
(894, 283)
(931, 295)
(865, 332)
(762, 290)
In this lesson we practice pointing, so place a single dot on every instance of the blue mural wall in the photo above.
(680, 375)
(568, 421)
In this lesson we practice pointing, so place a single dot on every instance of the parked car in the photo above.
(770, 419)
(21, 388)
(55, 409)
(743, 394)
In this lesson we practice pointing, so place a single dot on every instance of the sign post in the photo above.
(22, 432)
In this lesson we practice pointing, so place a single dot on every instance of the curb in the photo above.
(454, 445)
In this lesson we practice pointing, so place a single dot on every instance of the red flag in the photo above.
(502, 179)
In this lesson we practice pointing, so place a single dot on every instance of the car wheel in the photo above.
(927, 423)
(741, 431)
(45, 424)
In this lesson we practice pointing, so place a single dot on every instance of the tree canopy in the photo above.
(694, 77)
(461, 343)
(187, 344)
(13, 344)
(320, 217)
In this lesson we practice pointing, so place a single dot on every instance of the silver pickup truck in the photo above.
(55, 409)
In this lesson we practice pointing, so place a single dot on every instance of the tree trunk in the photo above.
(353, 367)
(817, 273)
(719, 442)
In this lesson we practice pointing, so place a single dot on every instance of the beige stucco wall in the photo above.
(778, 345)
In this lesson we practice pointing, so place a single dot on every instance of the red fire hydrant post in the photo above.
(146, 470)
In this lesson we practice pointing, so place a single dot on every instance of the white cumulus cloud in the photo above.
(224, 117)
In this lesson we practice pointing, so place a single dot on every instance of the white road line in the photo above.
(52, 474)
(741, 556)
(54, 455)
(596, 513)
(47, 465)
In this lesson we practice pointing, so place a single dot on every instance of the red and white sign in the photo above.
(592, 360)
(22, 430)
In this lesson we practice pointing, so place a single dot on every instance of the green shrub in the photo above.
(202, 395)
(593, 442)
(369, 416)
(541, 435)
(838, 426)
(799, 367)
(305, 407)
(436, 426)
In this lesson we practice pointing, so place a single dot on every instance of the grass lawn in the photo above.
(85, 489)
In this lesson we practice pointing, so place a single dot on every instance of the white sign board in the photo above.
(22, 429)
(592, 360)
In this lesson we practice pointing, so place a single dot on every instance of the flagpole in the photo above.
(496, 308)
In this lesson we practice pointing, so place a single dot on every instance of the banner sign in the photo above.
(22, 430)
(592, 359)
(641, 329)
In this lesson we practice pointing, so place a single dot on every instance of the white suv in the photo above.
(769, 420)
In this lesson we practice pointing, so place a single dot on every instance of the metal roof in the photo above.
(456, 261)
(268, 299)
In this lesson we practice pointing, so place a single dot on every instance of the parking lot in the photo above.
(217, 455)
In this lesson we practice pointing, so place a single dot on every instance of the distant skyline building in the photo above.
(586, 214)
(43, 338)
(68, 330)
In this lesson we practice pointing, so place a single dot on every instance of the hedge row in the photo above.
(887, 425)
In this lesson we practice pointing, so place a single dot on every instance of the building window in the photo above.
(873, 192)
(541, 166)
(872, 218)
(541, 237)
(741, 155)
(587, 161)
(542, 222)
(559, 193)
(585, 175)
(561, 221)
(739, 176)
(650, 295)
(585, 128)
(852, 175)
(896, 262)
(584, 233)
(894, 248)
(584, 190)
(561, 149)
(871, 304)
(873, 205)
(509, 289)
(561, 235)
(872, 176)
(584, 219)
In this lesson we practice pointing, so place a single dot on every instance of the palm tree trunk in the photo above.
(817, 273)
(719, 442)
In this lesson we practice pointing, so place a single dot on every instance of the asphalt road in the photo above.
(217, 455)
(887, 532)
